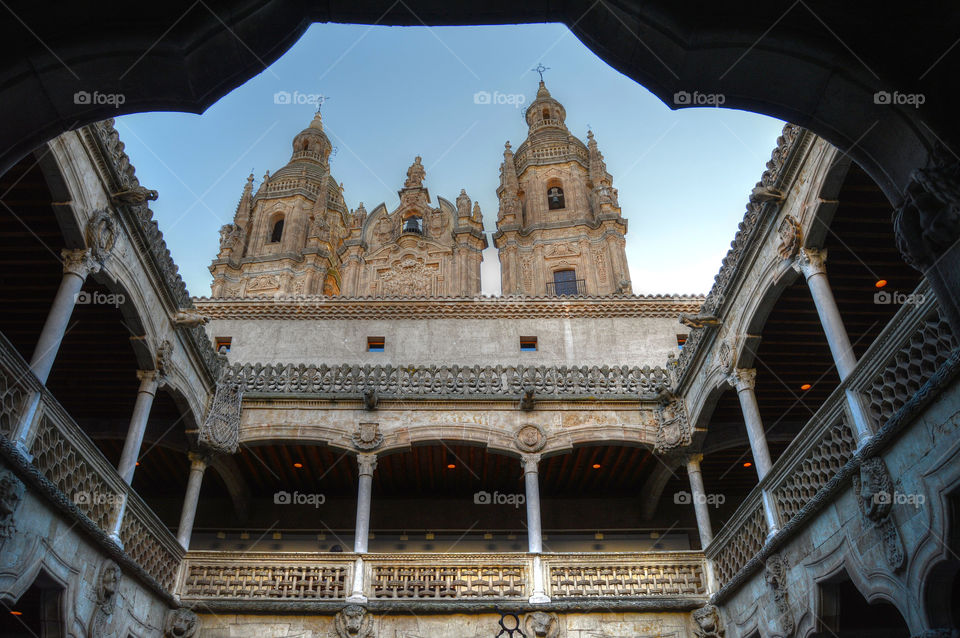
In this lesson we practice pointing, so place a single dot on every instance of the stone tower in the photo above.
(285, 238)
(559, 229)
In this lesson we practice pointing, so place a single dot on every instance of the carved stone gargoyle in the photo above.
(526, 399)
(353, 621)
(370, 399)
(699, 320)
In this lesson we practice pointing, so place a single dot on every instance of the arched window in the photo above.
(565, 282)
(555, 199)
(277, 233)
(413, 224)
(546, 114)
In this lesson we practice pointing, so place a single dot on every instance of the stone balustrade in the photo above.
(64, 455)
(222, 577)
(907, 354)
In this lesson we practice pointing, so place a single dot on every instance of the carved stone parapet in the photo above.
(79, 262)
(811, 261)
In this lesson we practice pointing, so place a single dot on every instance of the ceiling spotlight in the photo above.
(881, 283)
(748, 464)
(596, 466)
(806, 386)
(298, 465)
(16, 613)
(451, 463)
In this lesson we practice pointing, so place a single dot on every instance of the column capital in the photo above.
(198, 461)
(366, 463)
(743, 379)
(79, 262)
(811, 261)
(149, 380)
(694, 459)
(530, 463)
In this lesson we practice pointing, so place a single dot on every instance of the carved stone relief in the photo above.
(181, 623)
(542, 624)
(353, 621)
(790, 238)
(673, 429)
(264, 282)
(107, 586)
(220, 431)
(102, 235)
(775, 575)
(874, 491)
(530, 438)
(367, 436)
(708, 624)
(408, 277)
(11, 493)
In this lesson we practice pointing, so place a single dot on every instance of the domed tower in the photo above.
(284, 238)
(559, 228)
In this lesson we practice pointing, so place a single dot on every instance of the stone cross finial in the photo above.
(540, 69)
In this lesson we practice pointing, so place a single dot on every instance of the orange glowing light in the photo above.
(881, 283)
(806, 386)
(451, 466)
(298, 465)
(748, 464)
(596, 466)
(16, 613)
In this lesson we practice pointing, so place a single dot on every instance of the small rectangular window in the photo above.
(376, 344)
(222, 344)
(528, 344)
(681, 339)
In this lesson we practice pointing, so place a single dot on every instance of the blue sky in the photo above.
(397, 92)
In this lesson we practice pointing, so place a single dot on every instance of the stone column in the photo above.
(77, 265)
(699, 499)
(812, 263)
(367, 463)
(198, 463)
(531, 480)
(149, 382)
(744, 380)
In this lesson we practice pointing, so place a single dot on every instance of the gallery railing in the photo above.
(71, 462)
(906, 354)
(286, 576)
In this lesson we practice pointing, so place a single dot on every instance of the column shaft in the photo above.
(699, 501)
(197, 466)
(751, 418)
(138, 424)
(366, 463)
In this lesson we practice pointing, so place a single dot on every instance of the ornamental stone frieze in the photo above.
(547, 382)
(874, 491)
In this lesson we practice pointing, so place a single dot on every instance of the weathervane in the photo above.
(320, 100)
(540, 69)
